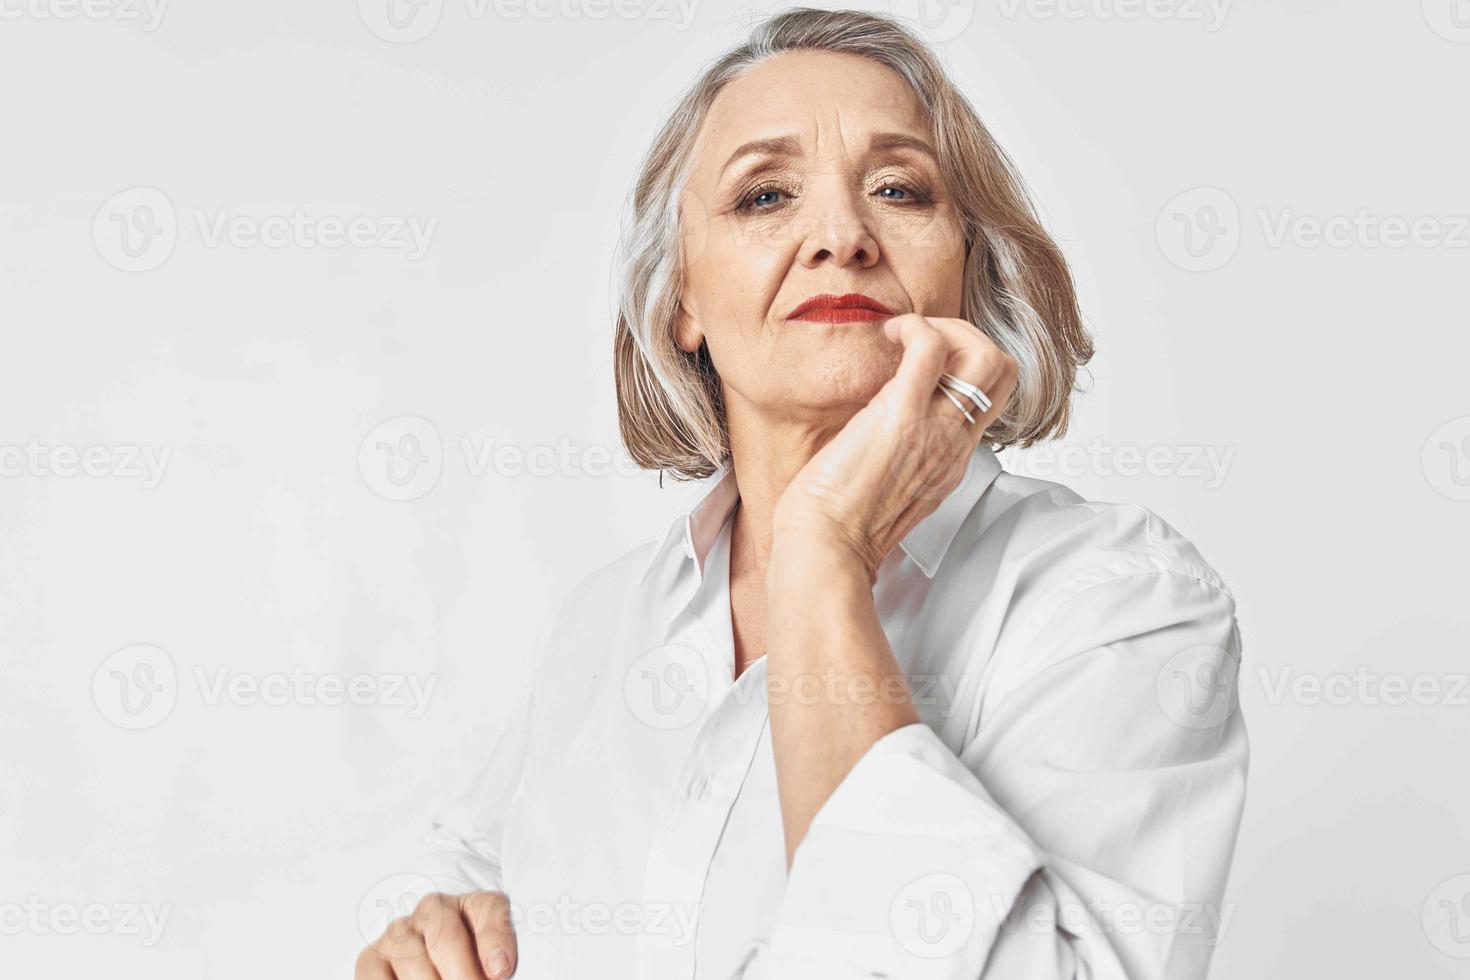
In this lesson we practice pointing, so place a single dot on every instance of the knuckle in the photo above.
(366, 960)
(398, 941)
(433, 900)
(1003, 365)
(397, 930)
(432, 906)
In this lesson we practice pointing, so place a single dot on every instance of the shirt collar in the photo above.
(709, 504)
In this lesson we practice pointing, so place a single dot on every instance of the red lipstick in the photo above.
(847, 308)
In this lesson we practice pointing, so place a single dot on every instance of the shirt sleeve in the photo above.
(462, 851)
(1086, 828)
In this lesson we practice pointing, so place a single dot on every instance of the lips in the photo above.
(848, 308)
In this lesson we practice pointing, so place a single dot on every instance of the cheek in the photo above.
(735, 276)
(929, 260)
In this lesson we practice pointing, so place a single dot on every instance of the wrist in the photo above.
(803, 562)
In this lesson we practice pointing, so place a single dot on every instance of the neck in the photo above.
(766, 453)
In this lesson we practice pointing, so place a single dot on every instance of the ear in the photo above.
(687, 332)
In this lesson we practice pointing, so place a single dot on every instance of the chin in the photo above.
(849, 375)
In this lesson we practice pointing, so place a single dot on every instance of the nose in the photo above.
(834, 227)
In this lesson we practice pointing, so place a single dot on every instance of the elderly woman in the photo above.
(872, 707)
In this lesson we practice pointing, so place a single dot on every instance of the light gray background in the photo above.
(1182, 154)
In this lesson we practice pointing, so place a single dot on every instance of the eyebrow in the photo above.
(790, 146)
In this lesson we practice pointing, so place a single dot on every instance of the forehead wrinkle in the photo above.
(774, 109)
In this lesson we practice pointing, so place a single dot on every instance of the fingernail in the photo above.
(499, 964)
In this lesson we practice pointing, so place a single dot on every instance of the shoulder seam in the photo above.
(1034, 627)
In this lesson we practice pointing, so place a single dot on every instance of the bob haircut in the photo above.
(1018, 289)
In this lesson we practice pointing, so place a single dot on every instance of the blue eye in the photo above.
(769, 197)
(909, 194)
(760, 199)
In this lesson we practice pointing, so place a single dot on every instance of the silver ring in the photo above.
(957, 404)
(981, 400)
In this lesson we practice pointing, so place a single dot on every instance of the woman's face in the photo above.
(853, 204)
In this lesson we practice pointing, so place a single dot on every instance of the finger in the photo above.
(925, 352)
(402, 946)
(959, 403)
(969, 345)
(488, 915)
(961, 346)
(450, 944)
(980, 361)
(371, 965)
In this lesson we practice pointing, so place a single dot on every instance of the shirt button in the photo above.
(698, 788)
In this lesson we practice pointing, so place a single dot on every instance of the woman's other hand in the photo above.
(448, 937)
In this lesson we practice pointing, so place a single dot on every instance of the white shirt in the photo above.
(1068, 806)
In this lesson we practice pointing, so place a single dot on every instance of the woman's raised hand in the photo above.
(902, 453)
